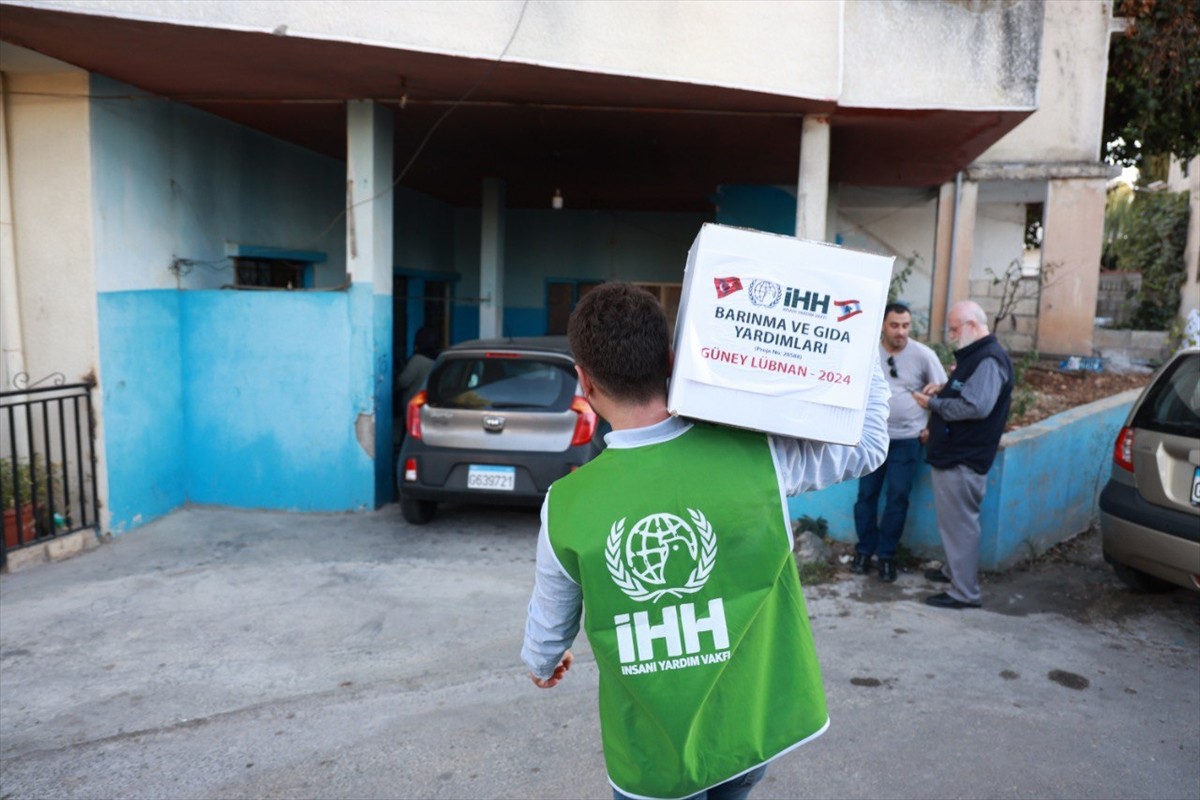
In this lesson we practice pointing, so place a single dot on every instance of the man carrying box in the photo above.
(676, 540)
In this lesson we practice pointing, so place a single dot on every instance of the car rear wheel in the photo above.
(1140, 581)
(418, 512)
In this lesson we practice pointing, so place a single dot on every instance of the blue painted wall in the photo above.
(764, 208)
(269, 418)
(170, 181)
(233, 398)
(571, 243)
(1043, 488)
(142, 394)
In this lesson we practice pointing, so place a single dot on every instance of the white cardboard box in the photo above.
(777, 334)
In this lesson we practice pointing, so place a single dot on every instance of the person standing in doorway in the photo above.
(908, 365)
(412, 377)
(966, 422)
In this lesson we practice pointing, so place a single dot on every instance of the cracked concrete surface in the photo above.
(225, 654)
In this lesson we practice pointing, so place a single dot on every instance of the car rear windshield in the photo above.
(488, 382)
(1172, 403)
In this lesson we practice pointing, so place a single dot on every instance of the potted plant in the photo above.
(17, 480)
(12, 471)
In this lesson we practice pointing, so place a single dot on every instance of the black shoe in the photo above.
(861, 564)
(887, 570)
(944, 600)
(936, 575)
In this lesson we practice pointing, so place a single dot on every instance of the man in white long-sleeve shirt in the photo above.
(676, 539)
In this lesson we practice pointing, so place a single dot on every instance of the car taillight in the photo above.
(410, 470)
(1123, 449)
(414, 414)
(585, 425)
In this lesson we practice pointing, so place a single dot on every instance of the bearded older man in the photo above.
(967, 417)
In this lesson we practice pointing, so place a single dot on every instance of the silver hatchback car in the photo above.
(1150, 509)
(498, 421)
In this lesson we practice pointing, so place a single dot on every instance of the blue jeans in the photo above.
(735, 789)
(881, 538)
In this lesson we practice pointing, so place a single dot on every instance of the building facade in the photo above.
(235, 216)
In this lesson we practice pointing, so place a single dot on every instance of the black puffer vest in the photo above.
(971, 442)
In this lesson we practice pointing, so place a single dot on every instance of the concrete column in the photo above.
(491, 260)
(1189, 292)
(812, 187)
(942, 239)
(10, 335)
(962, 235)
(1071, 248)
(370, 143)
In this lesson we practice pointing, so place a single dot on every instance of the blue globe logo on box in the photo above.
(765, 293)
(663, 554)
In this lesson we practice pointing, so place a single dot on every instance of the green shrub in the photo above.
(1151, 239)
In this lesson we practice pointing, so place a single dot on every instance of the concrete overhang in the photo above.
(608, 141)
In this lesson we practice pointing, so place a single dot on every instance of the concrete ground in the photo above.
(226, 654)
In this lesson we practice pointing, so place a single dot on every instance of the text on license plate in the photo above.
(481, 476)
(1196, 487)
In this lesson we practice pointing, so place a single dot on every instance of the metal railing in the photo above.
(47, 451)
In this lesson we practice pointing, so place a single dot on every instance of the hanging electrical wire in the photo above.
(429, 134)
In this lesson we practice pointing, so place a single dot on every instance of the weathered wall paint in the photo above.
(1042, 490)
(1072, 247)
(51, 319)
(269, 418)
(1069, 119)
(383, 375)
(173, 182)
(232, 398)
(142, 396)
(761, 45)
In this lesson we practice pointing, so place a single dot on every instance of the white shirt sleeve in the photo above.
(935, 372)
(806, 466)
(554, 608)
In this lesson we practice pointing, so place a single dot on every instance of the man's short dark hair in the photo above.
(896, 308)
(619, 334)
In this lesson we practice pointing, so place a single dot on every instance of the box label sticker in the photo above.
(778, 330)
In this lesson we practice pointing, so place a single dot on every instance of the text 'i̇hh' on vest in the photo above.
(693, 609)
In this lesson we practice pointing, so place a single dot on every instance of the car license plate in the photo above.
(1196, 487)
(502, 479)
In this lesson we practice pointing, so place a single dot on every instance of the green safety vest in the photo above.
(693, 609)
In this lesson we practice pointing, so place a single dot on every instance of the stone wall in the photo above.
(1018, 331)
(1124, 348)
(1114, 299)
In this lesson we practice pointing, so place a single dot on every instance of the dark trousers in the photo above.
(734, 789)
(880, 536)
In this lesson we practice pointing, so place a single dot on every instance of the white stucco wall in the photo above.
(1070, 115)
(756, 44)
(918, 54)
(999, 238)
(49, 169)
(898, 54)
(893, 222)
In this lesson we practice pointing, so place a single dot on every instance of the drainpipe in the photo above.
(14, 345)
(958, 180)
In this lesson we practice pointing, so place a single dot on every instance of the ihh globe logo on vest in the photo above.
(662, 554)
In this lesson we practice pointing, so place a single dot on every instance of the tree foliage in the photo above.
(1152, 236)
(1153, 100)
